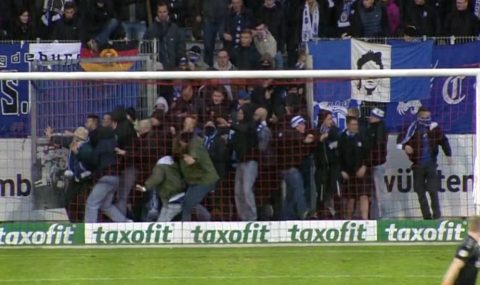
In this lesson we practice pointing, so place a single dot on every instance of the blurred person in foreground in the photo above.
(464, 268)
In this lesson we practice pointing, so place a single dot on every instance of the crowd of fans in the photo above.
(238, 138)
(251, 31)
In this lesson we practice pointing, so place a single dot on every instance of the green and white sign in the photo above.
(421, 231)
(133, 233)
(41, 234)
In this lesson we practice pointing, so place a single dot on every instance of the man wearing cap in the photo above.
(376, 139)
(420, 142)
(194, 59)
(294, 146)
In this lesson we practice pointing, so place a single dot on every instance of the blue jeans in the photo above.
(381, 202)
(294, 206)
(245, 177)
(127, 181)
(279, 61)
(194, 195)
(101, 198)
(104, 35)
(134, 30)
(210, 31)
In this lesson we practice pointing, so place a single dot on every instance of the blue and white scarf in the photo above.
(311, 19)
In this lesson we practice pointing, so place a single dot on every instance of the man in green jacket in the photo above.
(167, 182)
(199, 174)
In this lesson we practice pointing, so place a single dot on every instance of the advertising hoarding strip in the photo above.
(232, 233)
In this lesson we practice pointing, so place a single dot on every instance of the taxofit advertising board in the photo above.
(231, 233)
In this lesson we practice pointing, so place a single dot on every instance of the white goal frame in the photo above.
(274, 74)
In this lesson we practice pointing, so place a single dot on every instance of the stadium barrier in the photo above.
(231, 233)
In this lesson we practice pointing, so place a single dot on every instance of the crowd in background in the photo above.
(259, 134)
(251, 31)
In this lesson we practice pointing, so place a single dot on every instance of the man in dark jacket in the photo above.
(327, 172)
(376, 139)
(271, 14)
(67, 29)
(309, 19)
(246, 56)
(212, 13)
(371, 20)
(293, 147)
(216, 147)
(420, 142)
(187, 104)
(461, 22)
(100, 23)
(238, 19)
(170, 38)
(243, 141)
(424, 18)
(102, 195)
(354, 171)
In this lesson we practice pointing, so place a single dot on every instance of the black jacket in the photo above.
(123, 9)
(353, 153)
(95, 18)
(294, 28)
(460, 24)
(67, 30)
(274, 19)
(246, 58)
(104, 152)
(247, 21)
(244, 139)
(360, 23)
(19, 32)
(376, 140)
(171, 42)
(326, 152)
(212, 10)
(218, 152)
(425, 19)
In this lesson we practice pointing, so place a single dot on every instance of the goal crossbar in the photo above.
(238, 74)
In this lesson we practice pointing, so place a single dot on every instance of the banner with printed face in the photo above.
(355, 54)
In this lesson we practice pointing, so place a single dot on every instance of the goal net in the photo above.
(66, 105)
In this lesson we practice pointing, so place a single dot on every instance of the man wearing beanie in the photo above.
(294, 146)
(376, 139)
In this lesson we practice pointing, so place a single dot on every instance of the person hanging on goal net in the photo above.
(464, 267)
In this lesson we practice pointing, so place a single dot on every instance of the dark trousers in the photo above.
(425, 179)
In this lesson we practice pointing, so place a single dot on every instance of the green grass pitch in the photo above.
(326, 265)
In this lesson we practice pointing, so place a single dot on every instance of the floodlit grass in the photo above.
(326, 265)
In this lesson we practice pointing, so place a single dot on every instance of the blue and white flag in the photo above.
(14, 94)
(355, 54)
(452, 99)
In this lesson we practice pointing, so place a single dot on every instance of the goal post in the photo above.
(225, 204)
